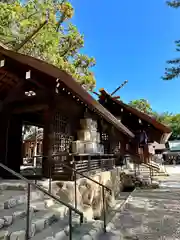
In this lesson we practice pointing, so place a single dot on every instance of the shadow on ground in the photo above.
(149, 214)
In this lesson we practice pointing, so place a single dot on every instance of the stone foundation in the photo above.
(89, 194)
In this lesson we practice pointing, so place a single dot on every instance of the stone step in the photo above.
(56, 230)
(8, 200)
(13, 185)
(8, 194)
(89, 230)
(85, 231)
(43, 214)
(59, 230)
(38, 222)
(9, 216)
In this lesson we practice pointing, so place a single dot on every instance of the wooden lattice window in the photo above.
(62, 133)
(105, 142)
(117, 147)
(104, 137)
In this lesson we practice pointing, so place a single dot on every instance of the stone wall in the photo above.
(89, 194)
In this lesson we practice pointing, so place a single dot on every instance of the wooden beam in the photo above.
(13, 93)
(41, 96)
(38, 84)
(6, 72)
(32, 108)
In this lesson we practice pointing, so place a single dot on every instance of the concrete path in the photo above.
(152, 214)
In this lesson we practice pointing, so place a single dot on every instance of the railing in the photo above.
(138, 162)
(90, 179)
(72, 169)
(82, 162)
(76, 172)
(91, 162)
(29, 184)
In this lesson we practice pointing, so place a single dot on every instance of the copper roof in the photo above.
(54, 72)
(143, 116)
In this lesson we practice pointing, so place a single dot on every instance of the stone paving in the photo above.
(152, 214)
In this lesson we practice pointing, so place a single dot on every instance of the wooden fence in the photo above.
(84, 163)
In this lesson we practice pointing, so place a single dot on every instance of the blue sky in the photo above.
(132, 40)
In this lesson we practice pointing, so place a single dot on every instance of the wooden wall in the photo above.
(10, 143)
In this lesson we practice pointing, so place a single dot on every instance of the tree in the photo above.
(173, 70)
(57, 42)
(174, 4)
(171, 120)
(141, 105)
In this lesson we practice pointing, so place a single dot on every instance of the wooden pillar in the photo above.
(14, 156)
(4, 122)
(47, 141)
(10, 143)
(123, 142)
(146, 154)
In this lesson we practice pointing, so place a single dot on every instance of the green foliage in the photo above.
(141, 105)
(173, 121)
(174, 4)
(173, 70)
(58, 42)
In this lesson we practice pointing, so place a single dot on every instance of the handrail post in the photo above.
(35, 164)
(75, 185)
(152, 169)
(70, 224)
(89, 163)
(104, 208)
(73, 170)
(150, 174)
(138, 168)
(28, 211)
(50, 173)
(135, 168)
(81, 219)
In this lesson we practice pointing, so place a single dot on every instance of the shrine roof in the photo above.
(49, 74)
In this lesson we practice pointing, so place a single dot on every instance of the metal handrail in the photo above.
(147, 165)
(81, 174)
(100, 184)
(156, 168)
(29, 183)
(75, 182)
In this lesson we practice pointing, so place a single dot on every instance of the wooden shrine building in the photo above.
(137, 122)
(34, 92)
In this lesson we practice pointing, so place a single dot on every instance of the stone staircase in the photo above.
(155, 168)
(48, 220)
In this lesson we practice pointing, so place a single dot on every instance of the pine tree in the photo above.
(173, 70)
(174, 4)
